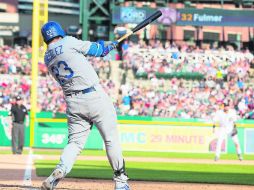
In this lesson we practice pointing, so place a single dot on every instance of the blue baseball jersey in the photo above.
(67, 63)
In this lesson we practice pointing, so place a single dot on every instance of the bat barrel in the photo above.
(141, 25)
(147, 21)
(154, 16)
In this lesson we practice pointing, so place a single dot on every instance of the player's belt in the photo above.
(85, 91)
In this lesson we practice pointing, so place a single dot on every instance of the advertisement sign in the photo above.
(139, 134)
(50, 137)
(231, 145)
(5, 130)
(134, 15)
(6, 124)
(215, 17)
(55, 135)
(249, 141)
(167, 138)
(183, 17)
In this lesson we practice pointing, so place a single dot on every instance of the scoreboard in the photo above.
(183, 17)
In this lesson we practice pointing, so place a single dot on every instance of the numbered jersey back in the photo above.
(67, 63)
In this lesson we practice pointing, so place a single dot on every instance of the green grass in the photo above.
(138, 154)
(168, 172)
(149, 154)
(10, 152)
(5, 152)
(155, 171)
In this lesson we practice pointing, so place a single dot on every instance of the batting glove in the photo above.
(108, 48)
(102, 43)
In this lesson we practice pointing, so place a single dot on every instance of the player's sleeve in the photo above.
(215, 117)
(86, 47)
(236, 116)
(95, 49)
(79, 45)
(98, 49)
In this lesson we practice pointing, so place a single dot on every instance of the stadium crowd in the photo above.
(15, 70)
(163, 98)
(17, 60)
(181, 101)
(50, 95)
(153, 58)
(199, 101)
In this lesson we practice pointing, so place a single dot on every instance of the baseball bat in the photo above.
(141, 25)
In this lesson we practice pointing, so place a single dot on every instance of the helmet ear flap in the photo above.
(51, 30)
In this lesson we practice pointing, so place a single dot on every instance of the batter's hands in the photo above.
(108, 48)
(114, 44)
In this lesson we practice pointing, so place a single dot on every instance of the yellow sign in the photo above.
(165, 138)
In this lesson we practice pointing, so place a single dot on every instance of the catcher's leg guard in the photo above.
(51, 182)
(120, 178)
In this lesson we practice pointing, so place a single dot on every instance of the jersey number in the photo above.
(62, 78)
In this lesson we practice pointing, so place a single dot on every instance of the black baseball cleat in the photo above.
(216, 158)
(240, 157)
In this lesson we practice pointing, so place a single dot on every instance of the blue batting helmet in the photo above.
(51, 30)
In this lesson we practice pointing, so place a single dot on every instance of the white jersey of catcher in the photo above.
(67, 63)
(225, 120)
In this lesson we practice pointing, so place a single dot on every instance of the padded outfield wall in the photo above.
(137, 134)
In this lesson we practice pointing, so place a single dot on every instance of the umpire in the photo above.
(19, 115)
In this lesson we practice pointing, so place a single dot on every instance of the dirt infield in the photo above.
(13, 167)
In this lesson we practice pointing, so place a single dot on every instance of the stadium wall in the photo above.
(25, 21)
(137, 134)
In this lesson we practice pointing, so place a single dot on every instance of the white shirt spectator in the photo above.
(133, 112)
(242, 106)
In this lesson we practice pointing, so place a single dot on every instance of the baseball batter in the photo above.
(87, 103)
(226, 118)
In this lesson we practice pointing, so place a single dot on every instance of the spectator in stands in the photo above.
(240, 83)
(162, 97)
(213, 63)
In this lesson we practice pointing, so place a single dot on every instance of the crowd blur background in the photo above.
(155, 73)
